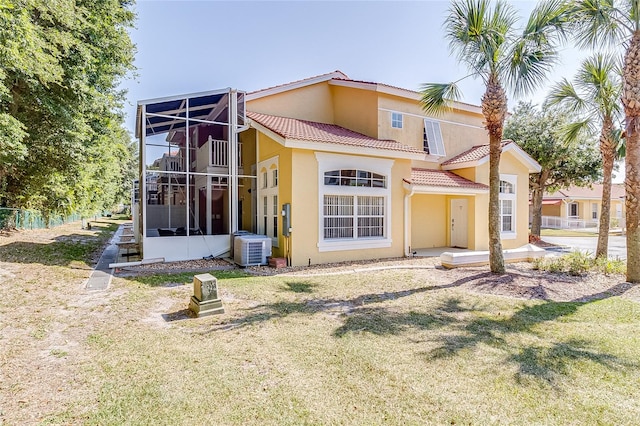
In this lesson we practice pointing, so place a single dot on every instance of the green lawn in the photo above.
(399, 347)
(566, 233)
(389, 347)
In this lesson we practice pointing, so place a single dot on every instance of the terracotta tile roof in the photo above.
(292, 128)
(476, 153)
(594, 192)
(442, 178)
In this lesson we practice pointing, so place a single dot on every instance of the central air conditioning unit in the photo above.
(251, 249)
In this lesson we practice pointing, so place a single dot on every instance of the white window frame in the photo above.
(328, 162)
(594, 211)
(396, 120)
(569, 207)
(513, 198)
(432, 138)
(268, 191)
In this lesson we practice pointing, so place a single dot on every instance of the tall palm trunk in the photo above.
(631, 102)
(608, 152)
(494, 109)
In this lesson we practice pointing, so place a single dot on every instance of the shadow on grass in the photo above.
(348, 307)
(546, 363)
(368, 313)
(181, 278)
(535, 361)
(299, 287)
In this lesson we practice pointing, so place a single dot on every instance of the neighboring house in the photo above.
(330, 169)
(580, 207)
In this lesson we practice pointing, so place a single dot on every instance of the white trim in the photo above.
(328, 162)
(185, 96)
(339, 148)
(534, 167)
(433, 119)
(526, 159)
(264, 189)
(513, 197)
(400, 92)
(354, 150)
(425, 189)
(294, 85)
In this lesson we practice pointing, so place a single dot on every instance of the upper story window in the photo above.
(353, 177)
(396, 120)
(506, 187)
(432, 138)
(274, 177)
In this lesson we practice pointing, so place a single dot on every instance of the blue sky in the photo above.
(194, 46)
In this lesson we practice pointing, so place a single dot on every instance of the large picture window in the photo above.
(354, 202)
(347, 216)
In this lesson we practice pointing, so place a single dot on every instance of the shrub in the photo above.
(579, 263)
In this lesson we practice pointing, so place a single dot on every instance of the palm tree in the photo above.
(595, 96)
(485, 39)
(611, 23)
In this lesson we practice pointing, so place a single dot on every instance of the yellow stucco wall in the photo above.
(461, 130)
(307, 103)
(510, 165)
(356, 110)
(429, 221)
(305, 214)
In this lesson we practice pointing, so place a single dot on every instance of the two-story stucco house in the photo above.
(329, 168)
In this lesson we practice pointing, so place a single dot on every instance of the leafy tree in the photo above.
(609, 23)
(563, 163)
(486, 39)
(595, 95)
(61, 132)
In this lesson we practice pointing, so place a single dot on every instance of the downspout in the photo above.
(409, 191)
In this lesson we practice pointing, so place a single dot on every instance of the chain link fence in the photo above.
(31, 219)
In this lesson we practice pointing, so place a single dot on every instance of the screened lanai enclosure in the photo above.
(197, 176)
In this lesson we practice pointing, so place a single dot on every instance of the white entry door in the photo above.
(459, 223)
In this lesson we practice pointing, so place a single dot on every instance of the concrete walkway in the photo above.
(617, 245)
(102, 274)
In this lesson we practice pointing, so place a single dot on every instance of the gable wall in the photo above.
(313, 103)
(461, 130)
(355, 110)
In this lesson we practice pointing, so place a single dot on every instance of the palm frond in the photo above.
(574, 131)
(533, 55)
(563, 94)
(599, 23)
(436, 98)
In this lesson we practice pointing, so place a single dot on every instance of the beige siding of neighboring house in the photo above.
(553, 210)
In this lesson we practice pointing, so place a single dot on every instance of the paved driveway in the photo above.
(617, 244)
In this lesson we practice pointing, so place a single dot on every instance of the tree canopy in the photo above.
(563, 162)
(63, 147)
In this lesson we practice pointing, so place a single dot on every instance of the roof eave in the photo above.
(430, 189)
(348, 149)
